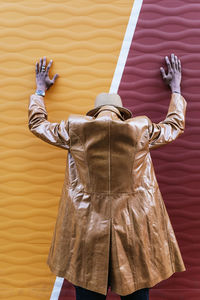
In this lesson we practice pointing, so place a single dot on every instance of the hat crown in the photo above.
(104, 99)
(108, 99)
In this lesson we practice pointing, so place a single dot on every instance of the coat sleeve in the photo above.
(52, 133)
(168, 130)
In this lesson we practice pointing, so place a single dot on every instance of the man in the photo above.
(112, 227)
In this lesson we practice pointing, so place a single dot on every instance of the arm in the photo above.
(168, 130)
(52, 133)
(174, 124)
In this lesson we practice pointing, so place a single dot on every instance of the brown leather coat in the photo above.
(111, 203)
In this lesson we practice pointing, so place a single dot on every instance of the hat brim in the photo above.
(126, 113)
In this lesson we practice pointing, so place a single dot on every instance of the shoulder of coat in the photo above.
(139, 119)
(79, 118)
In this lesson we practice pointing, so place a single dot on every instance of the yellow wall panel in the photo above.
(84, 39)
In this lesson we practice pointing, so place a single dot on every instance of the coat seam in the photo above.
(109, 166)
(68, 123)
(135, 151)
(133, 187)
(168, 240)
(84, 241)
(89, 216)
(85, 160)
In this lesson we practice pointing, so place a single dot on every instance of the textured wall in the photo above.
(84, 39)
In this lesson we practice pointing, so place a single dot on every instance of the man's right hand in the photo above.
(173, 77)
(43, 81)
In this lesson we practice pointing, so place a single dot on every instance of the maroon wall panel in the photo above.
(164, 27)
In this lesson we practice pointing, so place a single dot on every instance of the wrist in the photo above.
(40, 92)
(176, 89)
(176, 92)
(40, 87)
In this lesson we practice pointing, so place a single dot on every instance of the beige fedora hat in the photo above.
(110, 99)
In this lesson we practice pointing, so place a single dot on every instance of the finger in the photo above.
(54, 77)
(36, 67)
(49, 65)
(164, 75)
(173, 60)
(168, 64)
(44, 61)
(40, 65)
(179, 65)
(176, 62)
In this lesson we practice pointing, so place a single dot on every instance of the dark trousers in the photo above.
(84, 294)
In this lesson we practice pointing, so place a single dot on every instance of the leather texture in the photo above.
(111, 201)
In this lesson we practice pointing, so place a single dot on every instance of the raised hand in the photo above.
(173, 76)
(43, 81)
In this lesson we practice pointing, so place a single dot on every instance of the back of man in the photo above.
(111, 208)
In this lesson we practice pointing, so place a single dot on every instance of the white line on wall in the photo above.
(57, 288)
(126, 45)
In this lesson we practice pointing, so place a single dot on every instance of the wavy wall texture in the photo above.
(165, 27)
(84, 39)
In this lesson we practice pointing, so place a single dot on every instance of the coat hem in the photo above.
(140, 285)
(82, 284)
(145, 284)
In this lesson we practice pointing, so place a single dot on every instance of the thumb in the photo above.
(55, 77)
(163, 73)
